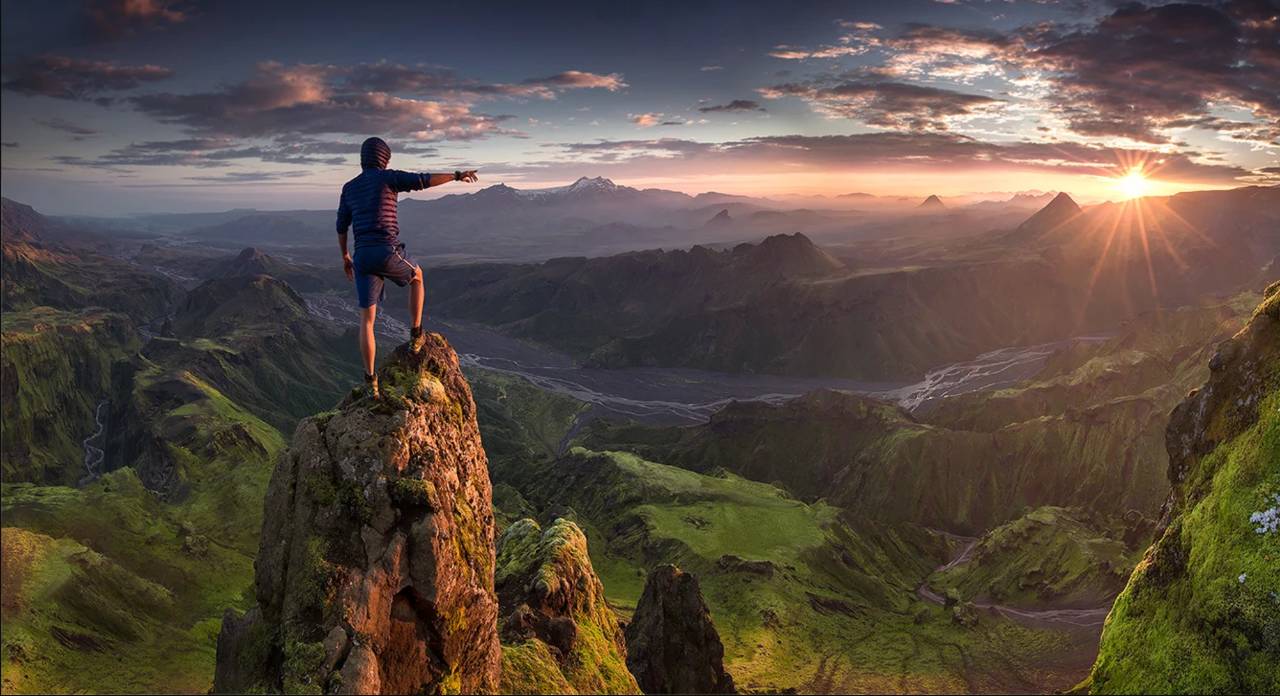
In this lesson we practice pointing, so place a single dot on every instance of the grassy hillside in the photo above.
(119, 585)
(1050, 557)
(110, 570)
(1201, 613)
(804, 596)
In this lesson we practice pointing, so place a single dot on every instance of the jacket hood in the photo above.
(375, 153)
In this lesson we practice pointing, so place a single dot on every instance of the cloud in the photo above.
(856, 41)
(1140, 68)
(895, 105)
(9, 143)
(710, 68)
(247, 177)
(735, 105)
(1137, 72)
(429, 81)
(62, 77)
(577, 79)
(416, 102)
(786, 52)
(65, 126)
(647, 120)
(220, 152)
(883, 151)
(114, 18)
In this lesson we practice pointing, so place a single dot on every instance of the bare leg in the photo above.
(417, 296)
(368, 349)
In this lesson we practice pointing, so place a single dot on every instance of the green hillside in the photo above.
(1201, 612)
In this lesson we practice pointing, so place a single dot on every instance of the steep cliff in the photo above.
(673, 647)
(1201, 612)
(560, 636)
(375, 568)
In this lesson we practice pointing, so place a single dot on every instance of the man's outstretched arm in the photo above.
(414, 181)
(468, 176)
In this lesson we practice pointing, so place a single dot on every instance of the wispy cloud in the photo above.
(737, 105)
(62, 77)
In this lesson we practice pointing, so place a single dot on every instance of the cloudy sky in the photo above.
(124, 106)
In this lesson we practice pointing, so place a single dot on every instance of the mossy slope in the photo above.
(1201, 612)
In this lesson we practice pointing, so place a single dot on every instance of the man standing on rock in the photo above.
(369, 204)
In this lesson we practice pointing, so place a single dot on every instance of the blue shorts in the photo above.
(376, 264)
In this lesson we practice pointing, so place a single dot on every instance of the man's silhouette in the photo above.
(369, 206)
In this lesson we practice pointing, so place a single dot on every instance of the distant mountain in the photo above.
(721, 218)
(784, 306)
(932, 203)
(253, 262)
(280, 229)
(1061, 210)
(37, 271)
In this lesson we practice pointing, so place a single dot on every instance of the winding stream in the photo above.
(93, 454)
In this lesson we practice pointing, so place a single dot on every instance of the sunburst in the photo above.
(1134, 183)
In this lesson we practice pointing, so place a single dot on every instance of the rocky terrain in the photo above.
(559, 633)
(673, 645)
(376, 565)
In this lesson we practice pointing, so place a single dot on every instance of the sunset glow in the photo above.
(1134, 184)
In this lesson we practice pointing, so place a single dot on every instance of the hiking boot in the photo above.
(371, 384)
(417, 339)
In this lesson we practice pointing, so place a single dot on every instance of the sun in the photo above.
(1134, 184)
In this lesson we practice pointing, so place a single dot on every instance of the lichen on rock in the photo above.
(375, 568)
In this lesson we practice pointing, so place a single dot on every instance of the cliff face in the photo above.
(375, 569)
(673, 647)
(1201, 613)
(560, 634)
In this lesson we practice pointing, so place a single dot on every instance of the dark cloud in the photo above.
(735, 105)
(429, 81)
(1136, 72)
(401, 101)
(247, 177)
(9, 143)
(1140, 68)
(218, 152)
(895, 105)
(62, 77)
(60, 124)
(115, 18)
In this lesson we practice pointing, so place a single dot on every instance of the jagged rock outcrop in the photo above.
(559, 634)
(1201, 612)
(672, 645)
(375, 570)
